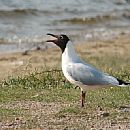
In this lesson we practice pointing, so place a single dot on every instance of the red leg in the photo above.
(82, 98)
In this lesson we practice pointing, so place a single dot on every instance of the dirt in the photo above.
(47, 116)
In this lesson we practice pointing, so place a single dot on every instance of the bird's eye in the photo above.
(61, 37)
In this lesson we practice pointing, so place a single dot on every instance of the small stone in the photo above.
(17, 118)
(119, 127)
(66, 128)
(105, 114)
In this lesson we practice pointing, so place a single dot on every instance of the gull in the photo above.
(79, 72)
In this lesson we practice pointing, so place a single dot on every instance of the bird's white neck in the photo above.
(69, 54)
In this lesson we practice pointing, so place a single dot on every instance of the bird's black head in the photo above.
(61, 40)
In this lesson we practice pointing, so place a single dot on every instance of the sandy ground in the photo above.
(47, 116)
(17, 64)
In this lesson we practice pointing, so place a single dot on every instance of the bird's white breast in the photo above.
(68, 58)
(69, 77)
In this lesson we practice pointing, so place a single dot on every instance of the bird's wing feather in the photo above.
(89, 75)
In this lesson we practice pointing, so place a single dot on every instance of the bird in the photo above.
(79, 72)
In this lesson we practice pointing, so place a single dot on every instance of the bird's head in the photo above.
(61, 40)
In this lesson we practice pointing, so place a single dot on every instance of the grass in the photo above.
(50, 89)
(37, 86)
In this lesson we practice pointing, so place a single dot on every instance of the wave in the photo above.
(97, 19)
(90, 20)
(23, 12)
(127, 14)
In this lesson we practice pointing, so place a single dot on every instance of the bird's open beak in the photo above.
(54, 40)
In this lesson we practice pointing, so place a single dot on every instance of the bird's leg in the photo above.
(82, 98)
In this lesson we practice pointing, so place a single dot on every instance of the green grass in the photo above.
(51, 87)
(37, 87)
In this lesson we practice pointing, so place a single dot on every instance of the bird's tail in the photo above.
(123, 83)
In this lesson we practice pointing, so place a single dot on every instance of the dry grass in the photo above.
(95, 52)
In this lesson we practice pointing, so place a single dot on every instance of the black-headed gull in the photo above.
(79, 72)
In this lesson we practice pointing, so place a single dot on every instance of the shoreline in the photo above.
(17, 44)
(15, 64)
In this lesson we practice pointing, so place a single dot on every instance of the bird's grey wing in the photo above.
(88, 75)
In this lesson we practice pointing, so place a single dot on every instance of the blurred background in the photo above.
(24, 23)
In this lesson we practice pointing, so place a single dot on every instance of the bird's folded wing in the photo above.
(88, 75)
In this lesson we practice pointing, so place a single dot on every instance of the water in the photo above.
(26, 22)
